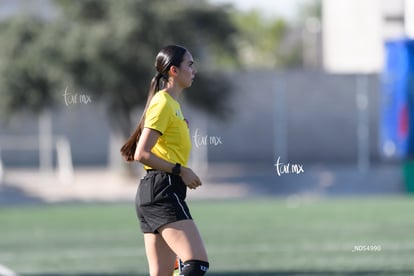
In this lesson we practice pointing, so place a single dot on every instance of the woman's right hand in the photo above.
(190, 179)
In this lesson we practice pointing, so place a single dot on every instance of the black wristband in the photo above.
(176, 170)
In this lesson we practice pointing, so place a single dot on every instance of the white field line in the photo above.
(4, 271)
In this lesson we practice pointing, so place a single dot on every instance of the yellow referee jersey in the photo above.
(164, 115)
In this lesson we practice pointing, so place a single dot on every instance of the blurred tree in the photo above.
(107, 49)
(29, 66)
(110, 49)
(262, 42)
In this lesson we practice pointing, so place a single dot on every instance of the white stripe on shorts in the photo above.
(182, 207)
(178, 200)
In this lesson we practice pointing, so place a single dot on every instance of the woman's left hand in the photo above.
(191, 180)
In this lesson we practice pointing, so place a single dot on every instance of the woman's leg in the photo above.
(160, 257)
(184, 239)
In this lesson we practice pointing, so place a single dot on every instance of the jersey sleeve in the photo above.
(158, 116)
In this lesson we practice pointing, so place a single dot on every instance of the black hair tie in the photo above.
(161, 76)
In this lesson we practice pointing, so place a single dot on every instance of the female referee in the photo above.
(162, 144)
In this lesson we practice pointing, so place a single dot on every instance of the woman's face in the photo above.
(186, 71)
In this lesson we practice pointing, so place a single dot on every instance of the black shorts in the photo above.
(160, 200)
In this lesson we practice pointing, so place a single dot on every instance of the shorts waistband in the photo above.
(152, 171)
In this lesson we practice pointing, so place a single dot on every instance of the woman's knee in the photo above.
(185, 240)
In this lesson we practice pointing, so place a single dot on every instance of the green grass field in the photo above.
(243, 237)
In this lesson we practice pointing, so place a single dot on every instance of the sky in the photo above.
(284, 8)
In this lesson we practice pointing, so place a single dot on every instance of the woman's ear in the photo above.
(173, 70)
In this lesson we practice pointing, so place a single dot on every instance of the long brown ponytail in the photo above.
(171, 55)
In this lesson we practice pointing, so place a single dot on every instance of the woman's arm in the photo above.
(144, 155)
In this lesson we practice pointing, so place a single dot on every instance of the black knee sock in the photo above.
(194, 268)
